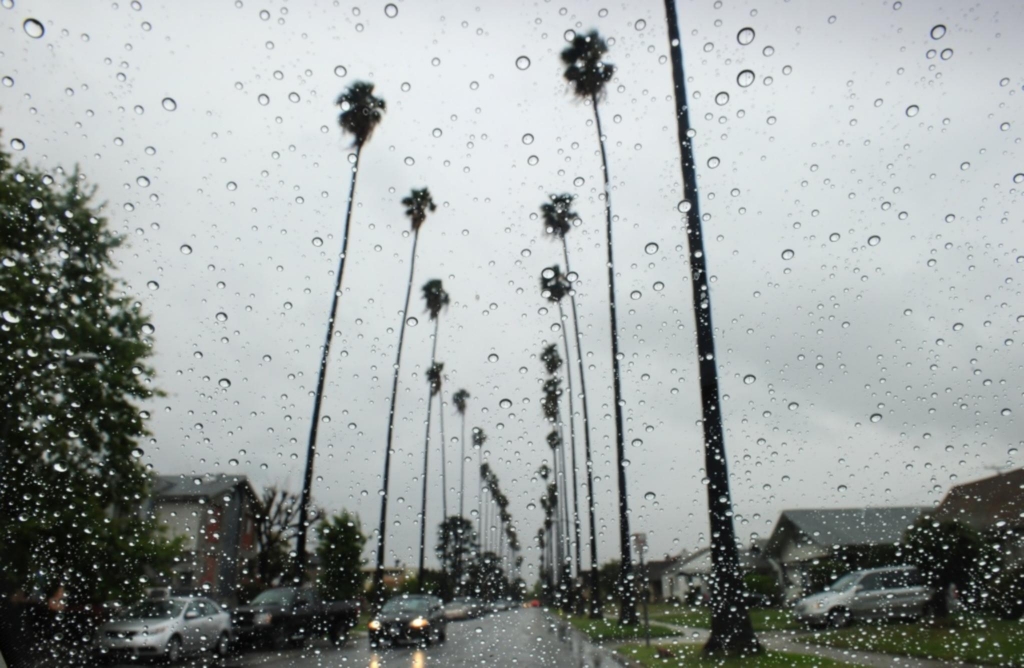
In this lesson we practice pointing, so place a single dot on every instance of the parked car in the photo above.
(168, 628)
(877, 593)
(463, 607)
(291, 615)
(411, 619)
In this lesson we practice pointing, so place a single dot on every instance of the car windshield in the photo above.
(275, 597)
(400, 605)
(152, 610)
(573, 315)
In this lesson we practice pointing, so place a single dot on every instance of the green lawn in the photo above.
(605, 630)
(980, 640)
(689, 655)
(763, 619)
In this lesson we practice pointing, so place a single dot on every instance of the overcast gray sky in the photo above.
(821, 153)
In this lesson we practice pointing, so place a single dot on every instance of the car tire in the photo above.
(223, 647)
(278, 639)
(839, 618)
(173, 650)
(339, 633)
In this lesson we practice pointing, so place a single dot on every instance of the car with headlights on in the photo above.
(169, 628)
(409, 619)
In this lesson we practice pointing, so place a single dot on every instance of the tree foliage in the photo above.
(72, 375)
(274, 527)
(340, 548)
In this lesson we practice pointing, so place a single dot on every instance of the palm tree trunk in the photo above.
(627, 593)
(423, 503)
(731, 630)
(307, 479)
(462, 489)
(565, 568)
(426, 456)
(572, 442)
(444, 462)
(595, 597)
(378, 574)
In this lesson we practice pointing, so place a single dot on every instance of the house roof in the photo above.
(699, 562)
(655, 569)
(846, 526)
(983, 503)
(198, 487)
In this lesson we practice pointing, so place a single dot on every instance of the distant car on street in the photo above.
(463, 607)
(168, 628)
(877, 593)
(291, 615)
(409, 619)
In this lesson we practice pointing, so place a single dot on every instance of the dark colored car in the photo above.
(292, 615)
(409, 619)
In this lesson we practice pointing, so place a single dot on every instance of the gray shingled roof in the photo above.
(854, 526)
(192, 486)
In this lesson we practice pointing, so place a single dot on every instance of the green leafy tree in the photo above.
(73, 373)
(949, 553)
(340, 548)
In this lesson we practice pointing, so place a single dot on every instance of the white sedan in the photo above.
(168, 628)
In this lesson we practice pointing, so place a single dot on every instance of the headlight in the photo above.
(374, 625)
(419, 623)
(263, 618)
(157, 630)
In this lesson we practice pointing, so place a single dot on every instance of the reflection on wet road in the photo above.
(518, 638)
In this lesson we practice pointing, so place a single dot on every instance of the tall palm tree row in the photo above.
(731, 629)
(417, 205)
(434, 374)
(460, 399)
(559, 219)
(587, 72)
(554, 286)
(479, 438)
(552, 409)
(361, 112)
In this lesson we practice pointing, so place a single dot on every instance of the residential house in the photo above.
(215, 516)
(687, 579)
(808, 547)
(654, 573)
(993, 506)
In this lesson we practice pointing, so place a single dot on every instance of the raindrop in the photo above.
(390, 10)
(636, 294)
(841, 488)
(169, 104)
(492, 358)
(745, 36)
(833, 237)
(409, 160)
(1018, 178)
(578, 181)
(58, 333)
(264, 99)
(523, 63)
(1006, 412)
(60, 467)
(340, 71)
(640, 24)
(569, 35)
(411, 321)
(264, 15)
(876, 417)
(745, 78)
(749, 379)
(153, 285)
(532, 160)
(912, 110)
(793, 405)
(142, 181)
(722, 98)
(658, 286)
(946, 54)
(231, 185)
(317, 241)
(33, 28)
(224, 382)
(651, 248)
(137, 452)
(713, 162)
(874, 240)
(650, 496)
(788, 254)
(505, 403)
(293, 97)
(527, 139)
(938, 31)
(964, 166)
(7, 82)
(437, 132)
(957, 326)
(683, 206)
(17, 144)
(11, 317)
(221, 316)
(185, 249)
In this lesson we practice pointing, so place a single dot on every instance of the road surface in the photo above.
(519, 638)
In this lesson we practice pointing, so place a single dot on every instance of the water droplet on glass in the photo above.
(1018, 178)
(745, 78)
(1006, 412)
(788, 254)
(221, 316)
(874, 240)
(650, 496)
(340, 71)
(17, 144)
(169, 104)
(876, 417)
(749, 379)
(833, 237)
(938, 31)
(651, 248)
(523, 63)
(527, 139)
(946, 54)
(505, 403)
(658, 286)
(231, 185)
(912, 110)
(409, 160)
(713, 162)
(390, 10)
(578, 181)
(640, 24)
(636, 294)
(683, 206)
(33, 28)
(294, 97)
(745, 36)
(58, 333)
(793, 406)
(569, 35)
(60, 467)
(153, 285)
(722, 98)
(964, 166)
(492, 358)
(317, 241)
(412, 321)
(263, 99)
(224, 382)
(185, 249)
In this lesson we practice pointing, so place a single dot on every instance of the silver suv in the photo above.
(877, 593)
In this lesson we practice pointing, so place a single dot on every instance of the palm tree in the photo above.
(434, 379)
(459, 399)
(554, 286)
(588, 73)
(417, 205)
(731, 630)
(437, 300)
(479, 438)
(559, 218)
(360, 114)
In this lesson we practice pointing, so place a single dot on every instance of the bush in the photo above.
(763, 590)
(1006, 593)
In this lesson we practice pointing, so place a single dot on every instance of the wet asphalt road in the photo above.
(516, 639)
